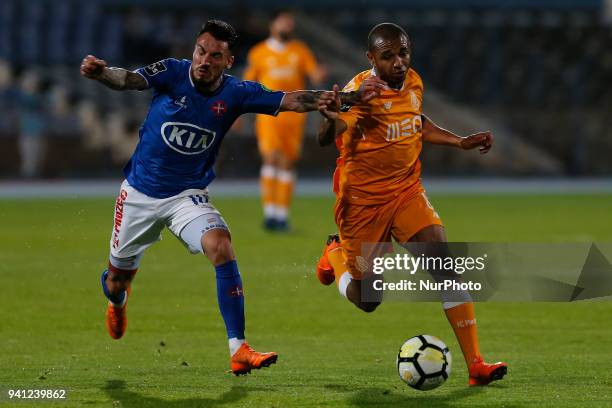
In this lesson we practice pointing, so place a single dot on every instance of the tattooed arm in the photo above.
(304, 101)
(115, 78)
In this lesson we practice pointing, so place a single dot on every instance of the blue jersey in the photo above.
(182, 133)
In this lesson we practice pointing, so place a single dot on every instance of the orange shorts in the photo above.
(363, 226)
(282, 134)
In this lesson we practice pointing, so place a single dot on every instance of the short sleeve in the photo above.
(256, 98)
(161, 74)
(418, 88)
(349, 117)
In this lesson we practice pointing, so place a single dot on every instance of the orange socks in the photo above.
(276, 191)
(337, 259)
(285, 182)
(461, 317)
(268, 184)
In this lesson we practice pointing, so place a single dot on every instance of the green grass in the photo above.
(52, 333)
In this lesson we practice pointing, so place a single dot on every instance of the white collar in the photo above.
(189, 75)
(276, 45)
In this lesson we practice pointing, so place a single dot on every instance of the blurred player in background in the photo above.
(194, 104)
(283, 63)
(378, 188)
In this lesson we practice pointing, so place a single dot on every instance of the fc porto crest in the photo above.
(414, 101)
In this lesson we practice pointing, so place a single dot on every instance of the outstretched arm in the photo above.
(331, 125)
(305, 101)
(434, 134)
(115, 78)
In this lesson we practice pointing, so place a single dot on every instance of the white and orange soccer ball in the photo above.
(424, 362)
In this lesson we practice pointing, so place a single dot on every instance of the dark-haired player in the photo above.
(194, 104)
(378, 187)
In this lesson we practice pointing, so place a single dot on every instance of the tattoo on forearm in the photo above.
(302, 101)
(348, 98)
(122, 79)
(114, 78)
(135, 81)
(309, 99)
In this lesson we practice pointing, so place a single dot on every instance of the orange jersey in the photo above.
(337, 172)
(380, 149)
(281, 67)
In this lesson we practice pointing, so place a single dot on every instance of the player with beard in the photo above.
(193, 106)
(379, 195)
(280, 62)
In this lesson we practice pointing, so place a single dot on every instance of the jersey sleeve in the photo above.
(417, 86)
(349, 117)
(256, 98)
(161, 74)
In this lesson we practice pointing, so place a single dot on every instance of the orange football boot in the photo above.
(246, 359)
(325, 272)
(116, 318)
(482, 373)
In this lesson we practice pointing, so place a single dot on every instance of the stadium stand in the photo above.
(540, 71)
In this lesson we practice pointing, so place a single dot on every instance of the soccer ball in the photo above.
(424, 362)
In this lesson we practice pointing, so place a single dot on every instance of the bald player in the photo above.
(379, 195)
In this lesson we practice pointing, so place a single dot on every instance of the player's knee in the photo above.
(271, 158)
(368, 307)
(439, 235)
(224, 250)
(286, 163)
(436, 233)
(432, 233)
(218, 247)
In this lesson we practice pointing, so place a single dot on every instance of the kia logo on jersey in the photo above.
(186, 138)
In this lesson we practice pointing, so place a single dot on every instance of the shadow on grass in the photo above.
(366, 397)
(125, 398)
(380, 397)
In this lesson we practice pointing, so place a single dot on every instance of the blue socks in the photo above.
(115, 299)
(231, 298)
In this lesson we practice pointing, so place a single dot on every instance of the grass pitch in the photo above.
(174, 353)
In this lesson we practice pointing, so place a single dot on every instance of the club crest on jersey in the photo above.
(186, 138)
(388, 105)
(219, 108)
(414, 101)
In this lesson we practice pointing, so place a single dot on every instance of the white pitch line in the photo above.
(313, 187)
